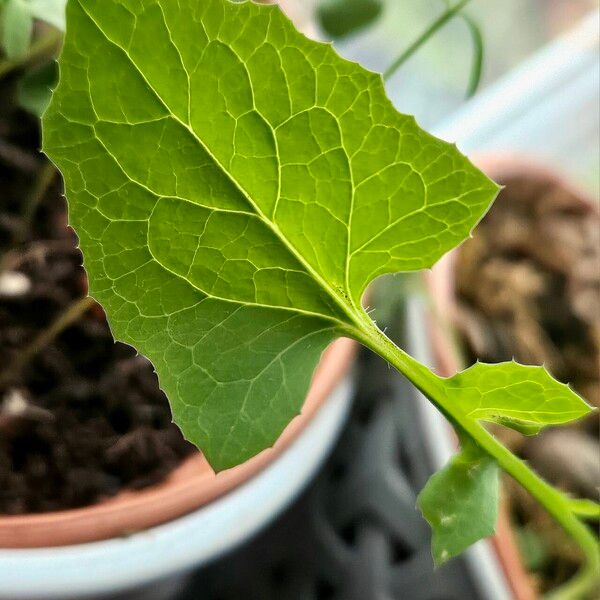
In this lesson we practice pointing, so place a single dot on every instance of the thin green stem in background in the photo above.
(567, 512)
(444, 18)
(478, 54)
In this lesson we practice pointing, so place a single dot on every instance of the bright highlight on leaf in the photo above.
(460, 502)
(234, 198)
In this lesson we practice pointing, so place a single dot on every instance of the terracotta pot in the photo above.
(192, 485)
(443, 310)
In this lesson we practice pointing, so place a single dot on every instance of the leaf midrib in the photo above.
(354, 318)
(207, 294)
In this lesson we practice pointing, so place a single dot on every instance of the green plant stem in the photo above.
(44, 47)
(563, 509)
(432, 29)
(478, 50)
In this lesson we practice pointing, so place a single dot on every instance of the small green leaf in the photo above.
(460, 502)
(234, 199)
(340, 18)
(35, 88)
(522, 397)
(17, 27)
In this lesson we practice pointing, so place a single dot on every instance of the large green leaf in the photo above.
(235, 187)
(460, 502)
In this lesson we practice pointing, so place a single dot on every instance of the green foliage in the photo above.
(234, 199)
(340, 18)
(460, 502)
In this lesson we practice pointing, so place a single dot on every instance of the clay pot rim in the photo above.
(190, 486)
(440, 285)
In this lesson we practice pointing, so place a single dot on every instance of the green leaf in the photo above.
(234, 198)
(50, 11)
(35, 88)
(460, 502)
(520, 397)
(17, 27)
(340, 18)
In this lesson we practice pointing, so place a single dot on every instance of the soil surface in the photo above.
(528, 285)
(83, 417)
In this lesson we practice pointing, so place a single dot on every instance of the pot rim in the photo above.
(190, 486)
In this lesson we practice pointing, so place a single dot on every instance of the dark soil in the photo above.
(529, 287)
(84, 418)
